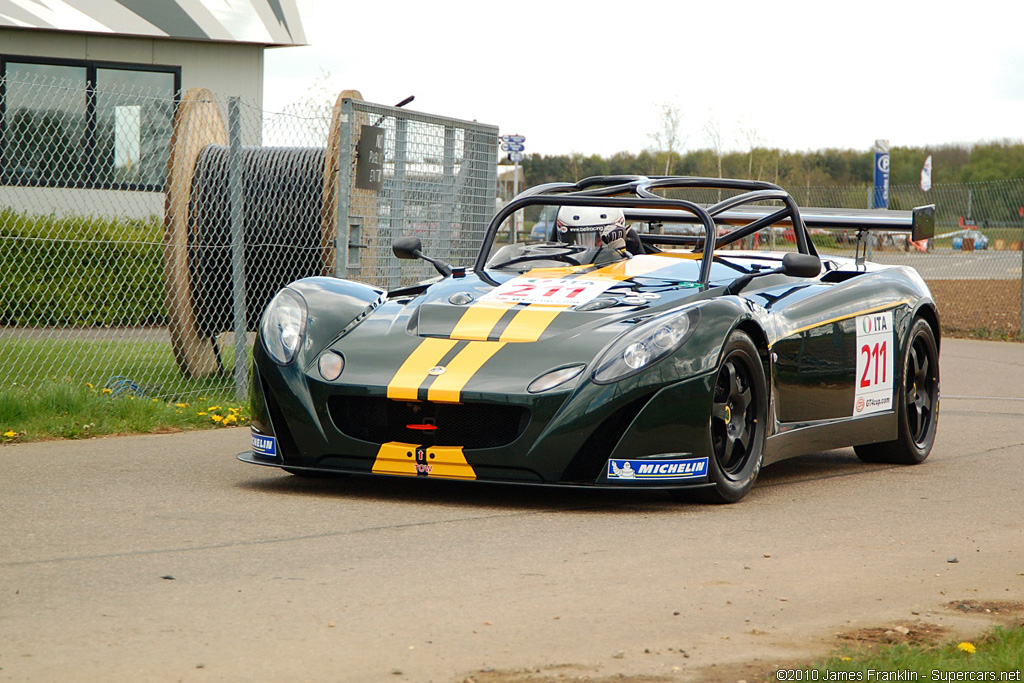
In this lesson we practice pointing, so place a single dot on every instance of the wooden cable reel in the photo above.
(197, 263)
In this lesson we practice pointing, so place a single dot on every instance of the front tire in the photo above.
(739, 412)
(918, 403)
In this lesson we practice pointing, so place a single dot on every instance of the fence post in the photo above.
(397, 223)
(237, 222)
(341, 234)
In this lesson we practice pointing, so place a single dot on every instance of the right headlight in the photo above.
(284, 326)
(644, 345)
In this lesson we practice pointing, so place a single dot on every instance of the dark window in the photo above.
(85, 124)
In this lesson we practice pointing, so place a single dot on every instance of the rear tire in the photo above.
(917, 403)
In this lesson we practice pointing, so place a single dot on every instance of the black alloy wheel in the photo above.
(739, 412)
(917, 403)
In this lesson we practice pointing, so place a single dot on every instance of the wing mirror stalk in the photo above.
(793, 264)
(410, 247)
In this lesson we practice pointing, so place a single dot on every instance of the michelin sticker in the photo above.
(264, 445)
(875, 351)
(621, 470)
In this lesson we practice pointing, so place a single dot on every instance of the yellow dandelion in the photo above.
(846, 659)
(107, 391)
(89, 384)
(10, 434)
(181, 405)
(200, 414)
(967, 647)
(230, 420)
(216, 418)
(213, 408)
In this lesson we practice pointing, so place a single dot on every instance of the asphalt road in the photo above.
(162, 558)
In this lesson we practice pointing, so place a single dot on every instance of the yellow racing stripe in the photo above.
(448, 462)
(396, 458)
(406, 382)
(530, 323)
(479, 319)
(444, 462)
(447, 388)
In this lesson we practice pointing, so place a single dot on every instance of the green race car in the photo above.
(630, 346)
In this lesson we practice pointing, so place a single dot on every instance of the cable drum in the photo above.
(282, 209)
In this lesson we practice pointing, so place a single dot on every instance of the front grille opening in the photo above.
(592, 457)
(469, 425)
(285, 440)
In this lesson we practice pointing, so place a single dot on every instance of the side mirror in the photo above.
(410, 247)
(407, 247)
(801, 265)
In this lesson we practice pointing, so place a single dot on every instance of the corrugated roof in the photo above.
(266, 22)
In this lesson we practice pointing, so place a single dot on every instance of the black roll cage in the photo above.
(740, 211)
(635, 195)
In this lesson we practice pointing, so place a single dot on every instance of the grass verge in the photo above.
(997, 656)
(69, 409)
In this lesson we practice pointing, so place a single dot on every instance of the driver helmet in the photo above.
(591, 226)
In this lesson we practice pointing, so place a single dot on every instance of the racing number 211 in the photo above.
(877, 363)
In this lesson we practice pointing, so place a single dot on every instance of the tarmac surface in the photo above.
(163, 558)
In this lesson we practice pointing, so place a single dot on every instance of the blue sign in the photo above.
(264, 445)
(514, 138)
(655, 470)
(513, 146)
(881, 194)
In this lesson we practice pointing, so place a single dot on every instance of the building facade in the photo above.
(88, 88)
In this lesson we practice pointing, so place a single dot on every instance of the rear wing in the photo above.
(920, 222)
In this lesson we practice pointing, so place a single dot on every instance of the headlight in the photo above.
(644, 345)
(284, 326)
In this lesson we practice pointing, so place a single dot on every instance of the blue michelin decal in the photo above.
(264, 445)
(622, 470)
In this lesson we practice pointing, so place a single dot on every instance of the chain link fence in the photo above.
(141, 233)
(975, 263)
(138, 249)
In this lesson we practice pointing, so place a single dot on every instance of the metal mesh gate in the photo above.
(412, 174)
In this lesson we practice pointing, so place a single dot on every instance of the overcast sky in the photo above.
(592, 77)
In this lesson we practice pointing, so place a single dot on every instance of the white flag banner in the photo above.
(926, 174)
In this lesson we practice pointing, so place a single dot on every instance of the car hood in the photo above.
(549, 303)
(487, 338)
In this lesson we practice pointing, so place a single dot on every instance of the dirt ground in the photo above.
(918, 632)
(978, 308)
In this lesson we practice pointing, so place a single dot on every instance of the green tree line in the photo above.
(951, 164)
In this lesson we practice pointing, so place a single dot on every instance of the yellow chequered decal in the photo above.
(413, 460)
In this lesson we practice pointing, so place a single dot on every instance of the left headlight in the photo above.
(284, 326)
(645, 345)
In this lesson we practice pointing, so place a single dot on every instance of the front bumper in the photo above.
(640, 433)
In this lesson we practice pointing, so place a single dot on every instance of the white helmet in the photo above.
(591, 226)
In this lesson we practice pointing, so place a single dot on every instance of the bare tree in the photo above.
(713, 134)
(753, 139)
(666, 139)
